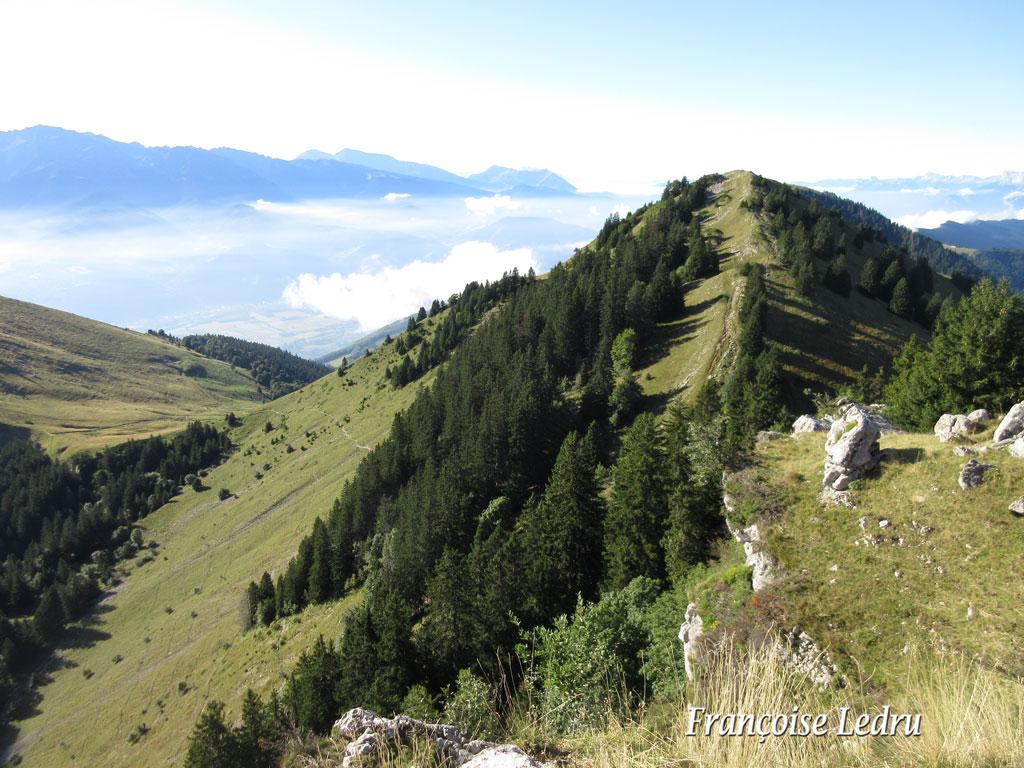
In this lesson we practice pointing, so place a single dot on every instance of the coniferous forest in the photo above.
(65, 525)
(481, 517)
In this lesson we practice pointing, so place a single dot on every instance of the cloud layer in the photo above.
(374, 299)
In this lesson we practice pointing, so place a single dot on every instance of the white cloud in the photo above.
(391, 197)
(930, 191)
(488, 206)
(1016, 195)
(839, 190)
(966, 192)
(374, 299)
(932, 219)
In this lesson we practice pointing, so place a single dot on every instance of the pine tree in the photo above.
(48, 620)
(637, 508)
(900, 303)
(445, 639)
(870, 277)
(212, 743)
(319, 588)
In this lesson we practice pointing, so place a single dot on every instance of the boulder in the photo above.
(690, 631)
(766, 436)
(1012, 424)
(369, 734)
(963, 451)
(954, 426)
(807, 423)
(851, 448)
(874, 413)
(1017, 507)
(973, 474)
(1017, 448)
(979, 416)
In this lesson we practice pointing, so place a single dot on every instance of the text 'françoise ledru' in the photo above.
(796, 723)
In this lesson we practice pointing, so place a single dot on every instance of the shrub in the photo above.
(470, 706)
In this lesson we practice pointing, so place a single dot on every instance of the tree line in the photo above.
(277, 371)
(65, 524)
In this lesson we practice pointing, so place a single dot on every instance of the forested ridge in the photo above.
(64, 525)
(529, 475)
(277, 371)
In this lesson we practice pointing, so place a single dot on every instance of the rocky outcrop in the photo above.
(979, 416)
(851, 448)
(1017, 507)
(798, 650)
(973, 474)
(1012, 424)
(370, 734)
(954, 426)
(807, 423)
(874, 414)
(690, 631)
(763, 568)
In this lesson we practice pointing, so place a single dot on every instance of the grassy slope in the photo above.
(972, 556)
(208, 553)
(76, 383)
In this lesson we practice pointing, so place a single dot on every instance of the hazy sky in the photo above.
(613, 95)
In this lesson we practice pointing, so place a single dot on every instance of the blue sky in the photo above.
(613, 95)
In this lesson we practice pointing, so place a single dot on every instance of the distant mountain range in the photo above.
(56, 168)
(497, 178)
(980, 235)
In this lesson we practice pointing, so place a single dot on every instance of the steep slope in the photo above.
(169, 638)
(825, 339)
(74, 383)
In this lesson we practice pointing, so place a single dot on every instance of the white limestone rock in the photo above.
(954, 426)
(1012, 424)
(690, 631)
(851, 448)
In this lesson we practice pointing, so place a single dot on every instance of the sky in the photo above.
(614, 96)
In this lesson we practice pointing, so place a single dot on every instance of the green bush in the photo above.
(471, 707)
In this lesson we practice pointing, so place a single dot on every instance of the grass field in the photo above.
(76, 384)
(169, 638)
(907, 584)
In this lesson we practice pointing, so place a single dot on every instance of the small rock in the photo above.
(833, 580)
(834, 568)
(863, 523)
(979, 416)
(973, 474)
(766, 436)
(1017, 507)
(919, 499)
(970, 611)
(898, 574)
(1012, 424)
(963, 451)
(884, 523)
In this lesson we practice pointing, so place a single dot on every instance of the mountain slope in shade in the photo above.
(74, 383)
(981, 234)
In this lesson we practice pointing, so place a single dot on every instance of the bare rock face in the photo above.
(954, 426)
(979, 416)
(1017, 507)
(764, 569)
(798, 650)
(851, 448)
(973, 474)
(807, 423)
(690, 631)
(1017, 448)
(1012, 424)
(370, 734)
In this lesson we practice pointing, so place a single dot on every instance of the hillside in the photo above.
(528, 470)
(74, 383)
(158, 667)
